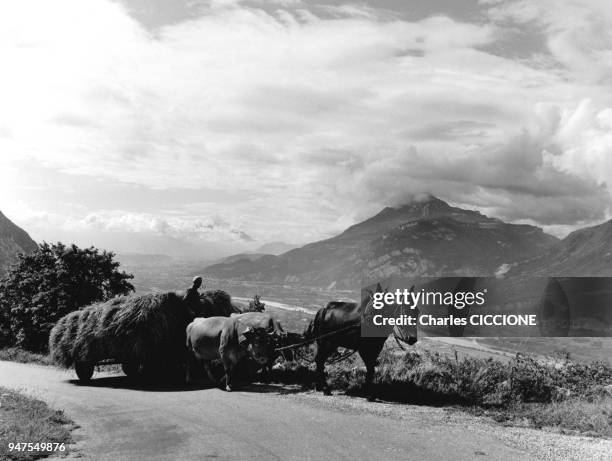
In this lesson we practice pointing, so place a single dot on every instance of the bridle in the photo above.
(398, 310)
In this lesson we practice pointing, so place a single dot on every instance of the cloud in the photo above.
(582, 142)
(578, 32)
(224, 93)
(554, 171)
(314, 119)
(192, 229)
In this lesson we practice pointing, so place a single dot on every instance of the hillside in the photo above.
(13, 240)
(275, 248)
(427, 237)
(241, 257)
(585, 252)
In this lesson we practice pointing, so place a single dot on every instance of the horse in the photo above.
(338, 324)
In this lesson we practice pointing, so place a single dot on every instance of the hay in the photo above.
(217, 303)
(147, 330)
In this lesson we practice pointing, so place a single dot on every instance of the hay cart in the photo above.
(144, 334)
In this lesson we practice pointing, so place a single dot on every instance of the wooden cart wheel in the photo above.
(84, 370)
(131, 369)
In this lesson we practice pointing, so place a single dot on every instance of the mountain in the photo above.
(13, 240)
(241, 257)
(275, 248)
(583, 253)
(427, 237)
(267, 249)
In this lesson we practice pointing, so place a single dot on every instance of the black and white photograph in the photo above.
(253, 230)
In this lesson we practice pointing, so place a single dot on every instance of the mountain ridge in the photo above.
(584, 252)
(413, 239)
(13, 240)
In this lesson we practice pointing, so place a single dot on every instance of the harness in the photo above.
(347, 354)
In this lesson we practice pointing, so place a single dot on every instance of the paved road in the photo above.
(119, 422)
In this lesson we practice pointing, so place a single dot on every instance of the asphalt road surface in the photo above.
(120, 422)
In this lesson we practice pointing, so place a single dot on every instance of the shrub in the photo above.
(48, 284)
(560, 394)
(531, 380)
(472, 381)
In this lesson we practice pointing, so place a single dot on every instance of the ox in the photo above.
(263, 320)
(227, 339)
(340, 322)
(267, 322)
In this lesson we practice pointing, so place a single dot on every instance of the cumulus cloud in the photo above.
(314, 117)
(210, 230)
(582, 143)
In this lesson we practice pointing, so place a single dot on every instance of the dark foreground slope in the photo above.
(13, 240)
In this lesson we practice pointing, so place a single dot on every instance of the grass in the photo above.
(564, 394)
(588, 416)
(16, 354)
(25, 419)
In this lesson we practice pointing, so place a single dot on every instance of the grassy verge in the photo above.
(15, 354)
(586, 416)
(24, 419)
(564, 395)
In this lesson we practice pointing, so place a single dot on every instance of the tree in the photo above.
(51, 282)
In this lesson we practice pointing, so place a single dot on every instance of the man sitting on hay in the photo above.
(192, 296)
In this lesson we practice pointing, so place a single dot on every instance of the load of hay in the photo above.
(216, 303)
(147, 331)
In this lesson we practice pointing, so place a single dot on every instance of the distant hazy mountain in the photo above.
(240, 257)
(585, 252)
(426, 237)
(267, 249)
(13, 240)
(275, 248)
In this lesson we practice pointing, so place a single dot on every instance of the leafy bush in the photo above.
(48, 284)
(531, 380)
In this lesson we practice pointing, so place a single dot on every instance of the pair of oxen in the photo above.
(230, 339)
(256, 334)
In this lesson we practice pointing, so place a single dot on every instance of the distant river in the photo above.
(275, 304)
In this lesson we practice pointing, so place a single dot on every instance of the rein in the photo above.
(312, 340)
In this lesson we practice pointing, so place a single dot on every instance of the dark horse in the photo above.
(340, 322)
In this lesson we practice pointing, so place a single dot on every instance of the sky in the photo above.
(202, 128)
